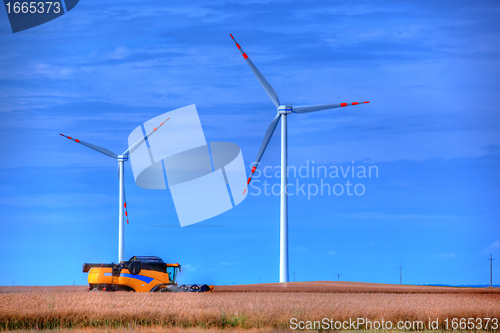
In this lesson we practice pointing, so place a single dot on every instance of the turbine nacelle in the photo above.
(284, 109)
(122, 158)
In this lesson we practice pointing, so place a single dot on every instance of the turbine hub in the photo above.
(285, 109)
(123, 158)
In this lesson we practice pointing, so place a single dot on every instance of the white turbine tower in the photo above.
(122, 208)
(283, 111)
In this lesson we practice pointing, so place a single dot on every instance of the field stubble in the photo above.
(74, 307)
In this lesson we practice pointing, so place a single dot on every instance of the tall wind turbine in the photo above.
(283, 111)
(122, 208)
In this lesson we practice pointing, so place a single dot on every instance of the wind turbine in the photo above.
(283, 111)
(122, 201)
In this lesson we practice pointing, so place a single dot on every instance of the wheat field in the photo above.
(352, 287)
(261, 308)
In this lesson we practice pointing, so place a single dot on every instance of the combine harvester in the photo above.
(140, 274)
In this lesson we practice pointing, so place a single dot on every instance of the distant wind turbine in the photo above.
(283, 111)
(122, 201)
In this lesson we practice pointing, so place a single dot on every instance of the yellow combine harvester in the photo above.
(140, 274)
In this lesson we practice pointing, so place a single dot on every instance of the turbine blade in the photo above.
(136, 145)
(312, 108)
(97, 148)
(123, 193)
(125, 202)
(267, 87)
(263, 146)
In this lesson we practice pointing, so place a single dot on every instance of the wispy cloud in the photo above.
(445, 255)
(191, 268)
(492, 149)
(396, 216)
(62, 200)
(493, 247)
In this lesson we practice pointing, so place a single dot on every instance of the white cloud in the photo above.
(493, 247)
(59, 200)
(445, 255)
(191, 268)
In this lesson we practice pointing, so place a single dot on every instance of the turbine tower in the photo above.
(283, 112)
(122, 206)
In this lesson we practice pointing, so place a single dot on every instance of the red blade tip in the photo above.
(231, 36)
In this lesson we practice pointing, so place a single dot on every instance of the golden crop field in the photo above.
(350, 287)
(254, 307)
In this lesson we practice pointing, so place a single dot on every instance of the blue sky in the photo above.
(430, 70)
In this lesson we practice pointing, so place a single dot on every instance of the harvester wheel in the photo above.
(161, 288)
